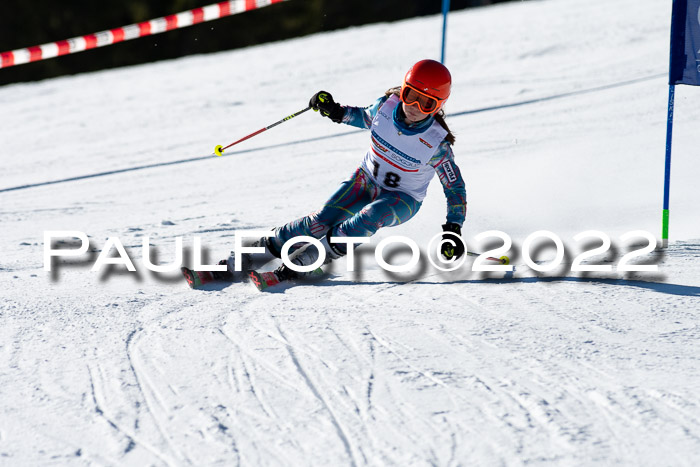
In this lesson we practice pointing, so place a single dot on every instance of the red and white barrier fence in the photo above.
(133, 31)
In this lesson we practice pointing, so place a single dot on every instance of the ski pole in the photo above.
(219, 151)
(502, 259)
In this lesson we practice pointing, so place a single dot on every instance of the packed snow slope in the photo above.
(559, 108)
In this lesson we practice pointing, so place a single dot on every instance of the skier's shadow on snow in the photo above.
(661, 287)
(670, 289)
(652, 280)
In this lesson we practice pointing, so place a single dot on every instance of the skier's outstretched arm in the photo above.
(360, 117)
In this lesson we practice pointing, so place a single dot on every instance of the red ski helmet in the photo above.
(427, 84)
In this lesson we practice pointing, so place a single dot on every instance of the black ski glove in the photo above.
(324, 102)
(448, 250)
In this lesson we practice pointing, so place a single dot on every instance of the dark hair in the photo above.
(440, 116)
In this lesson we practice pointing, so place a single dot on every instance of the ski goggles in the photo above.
(426, 103)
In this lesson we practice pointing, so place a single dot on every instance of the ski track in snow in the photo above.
(361, 369)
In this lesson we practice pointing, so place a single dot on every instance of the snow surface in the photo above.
(559, 108)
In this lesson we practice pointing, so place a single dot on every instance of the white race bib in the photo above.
(397, 161)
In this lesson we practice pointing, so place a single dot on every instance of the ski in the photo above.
(196, 279)
(264, 280)
(502, 259)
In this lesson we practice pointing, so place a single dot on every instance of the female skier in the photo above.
(409, 143)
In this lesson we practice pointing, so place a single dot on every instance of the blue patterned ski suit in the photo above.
(360, 207)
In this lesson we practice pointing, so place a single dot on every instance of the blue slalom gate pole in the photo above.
(667, 175)
(445, 9)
